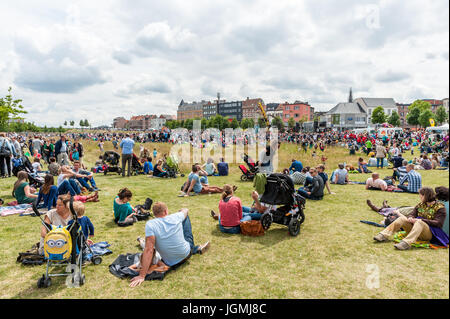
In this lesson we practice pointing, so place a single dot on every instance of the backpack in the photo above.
(4, 151)
(252, 228)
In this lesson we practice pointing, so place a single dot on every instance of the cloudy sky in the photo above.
(102, 59)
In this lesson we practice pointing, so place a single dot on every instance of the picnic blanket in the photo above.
(120, 268)
(418, 244)
(13, 210)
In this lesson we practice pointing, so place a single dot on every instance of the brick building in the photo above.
(250, 108)
(298, 111)
(190, 110)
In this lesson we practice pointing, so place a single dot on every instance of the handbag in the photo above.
(4, 151)
(252, 228)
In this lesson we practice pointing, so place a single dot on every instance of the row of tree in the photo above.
(83, 123)
(419, 113)
(221, 123)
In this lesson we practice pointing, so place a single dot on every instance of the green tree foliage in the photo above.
(422, 105)
(261, 122)
(378, 115)
(234, 124)
(424, 118)
(278, 123)
(412, 118)
(291, 123)
(72, 123)
(10, 109)
(441, 115)
(65, 123)
(394, 119)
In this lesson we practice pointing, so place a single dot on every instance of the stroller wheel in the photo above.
(266, 220)
(44, 282)
(294, 227)
(302, 217)
(97, 260)
(244, 178)
(82, 280)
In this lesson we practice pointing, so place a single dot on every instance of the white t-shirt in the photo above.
(36, 167)
(378, 183)
(60, 179)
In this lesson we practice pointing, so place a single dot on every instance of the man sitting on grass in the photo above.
(340, 176)
(413, 179)
(376, 183)
(171, 237)
(194, 184)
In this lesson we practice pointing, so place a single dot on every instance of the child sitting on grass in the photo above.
(86, 225)
(148, 166)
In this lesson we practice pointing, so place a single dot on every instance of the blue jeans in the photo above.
(188, 236)
(246, 216)
(378, 162)
(302, 191)
(161, 174)
(69, 185)
(49, 198)
(84, 182)
(308, 181)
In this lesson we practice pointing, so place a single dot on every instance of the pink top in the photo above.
(230, 211)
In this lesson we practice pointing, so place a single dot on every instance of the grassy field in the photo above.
(328, 259)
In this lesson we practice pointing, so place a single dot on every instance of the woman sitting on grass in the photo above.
(158, 171)
(123, 211)
(232, 213)
(57, 217)
(209, 167)
(362, 166)
(22, 191)
(424, 223)
(194, 184)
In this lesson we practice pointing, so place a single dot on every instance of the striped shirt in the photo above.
(298, 178)
(402, 171)
(414, 180)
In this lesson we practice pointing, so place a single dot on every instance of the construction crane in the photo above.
(261, 108)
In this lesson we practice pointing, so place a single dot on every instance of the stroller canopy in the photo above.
(279, 190)
(111, 157)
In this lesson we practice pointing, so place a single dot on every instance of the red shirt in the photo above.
(230, 211)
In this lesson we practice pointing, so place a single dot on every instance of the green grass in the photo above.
(328, 259)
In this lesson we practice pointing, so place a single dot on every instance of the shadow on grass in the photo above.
(271, 237)
(58, 284)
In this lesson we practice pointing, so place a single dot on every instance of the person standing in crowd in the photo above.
(6, 151)
(61, 151)
(126, 145)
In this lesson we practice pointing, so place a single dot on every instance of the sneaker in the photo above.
(380, 238)
(203, 248)
(403, 245)
(214, 215)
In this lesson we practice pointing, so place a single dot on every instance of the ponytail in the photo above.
(227, 191)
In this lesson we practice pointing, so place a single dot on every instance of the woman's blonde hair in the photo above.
(227, 191)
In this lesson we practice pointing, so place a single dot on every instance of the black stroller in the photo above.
(136, 166)
(280, 191)
(65, 246)
(24, 164)
(248, 174)
(111, 161)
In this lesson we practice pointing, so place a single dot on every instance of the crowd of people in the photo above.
(169, 240)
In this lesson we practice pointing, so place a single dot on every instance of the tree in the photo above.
(424, 118)
(441, 115)
(72, 123)
(422, 105)
(261, 122)
(394, 119)
(378, 116)
(234, 124)
(86, 123)
(291, 123)
(65, 123)
(10, 109)
(81, 123)
(412, 118)
(278, 123)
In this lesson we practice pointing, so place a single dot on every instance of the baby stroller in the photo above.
(136, 166)
(24, 164)
(280, 191)
(21, 164)
(171, 166)
(111, 161)
(65, 246)
(248, 174)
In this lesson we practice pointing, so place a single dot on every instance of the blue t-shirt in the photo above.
(222, 168)
(148, 166)
(198, 185)
(169, 237)
(127, 145)
(296, 166)
(86, 226)
(342, 174)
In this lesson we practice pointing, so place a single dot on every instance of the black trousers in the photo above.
(5, 161)
(126, 158)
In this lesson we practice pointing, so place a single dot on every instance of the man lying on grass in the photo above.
(171, 237)
(194, 184)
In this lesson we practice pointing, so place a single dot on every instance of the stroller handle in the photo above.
(37, 213)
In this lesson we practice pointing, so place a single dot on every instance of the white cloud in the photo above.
(117, 57)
